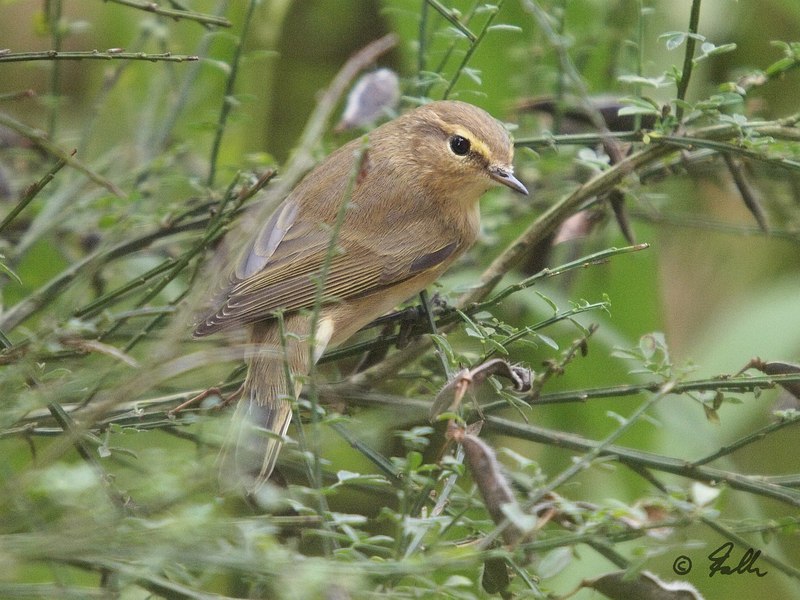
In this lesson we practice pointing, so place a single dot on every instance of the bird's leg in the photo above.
(378, 353)
(412, 322)
(417, 320)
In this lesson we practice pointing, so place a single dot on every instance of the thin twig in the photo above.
(31, 192)
(583, 463)
(734, 537)
(751, 438)
(688, 58)
(40, 139)
(746, 192)
(677, 466)
(75, 434)
(452, 19)
(471, 50)
(227, 96)
(152, 7)
(111, 54)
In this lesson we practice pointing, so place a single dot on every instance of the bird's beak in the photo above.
(506, 177)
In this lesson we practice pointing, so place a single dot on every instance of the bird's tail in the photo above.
(276, 370)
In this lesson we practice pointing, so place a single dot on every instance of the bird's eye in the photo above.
(459, 145)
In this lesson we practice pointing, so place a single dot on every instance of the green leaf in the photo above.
(444, 347)
(505, 27)
(5, 269)
(413, 460)
(654, 82)
(638, 110)
(673, 39)
(553, 562)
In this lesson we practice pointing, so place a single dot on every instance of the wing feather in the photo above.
(280, 269)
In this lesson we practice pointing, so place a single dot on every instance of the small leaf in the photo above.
(5, 269)
(496, 346)
(414, 460)
(674, 39)
(704, 495)
(554, 562)
(723, 49)
(548, 341)
(638, 110)
(495, 575)
(655, 82)
(707, 47)
(472, 332)
(345, 475)
(473, 74)
(779, 66)
(458, 581)
(504, 27)
(523, 521)
(711, 415)
(553, 306)
(444, 347)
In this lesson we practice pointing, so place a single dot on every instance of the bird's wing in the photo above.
(282, 268)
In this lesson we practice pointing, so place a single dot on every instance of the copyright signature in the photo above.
(747, 563)
(720, 562)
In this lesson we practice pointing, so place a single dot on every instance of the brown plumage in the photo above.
(411, 211)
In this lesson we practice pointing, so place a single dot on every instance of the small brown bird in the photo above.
(409, 213)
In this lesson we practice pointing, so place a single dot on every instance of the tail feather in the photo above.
(260, 433)
(265, 410)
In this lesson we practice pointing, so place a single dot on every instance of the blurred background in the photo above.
(720, 288)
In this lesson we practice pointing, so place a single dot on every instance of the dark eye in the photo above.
(459, 145)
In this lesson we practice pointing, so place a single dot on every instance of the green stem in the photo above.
(734, 537)
(585, 261)
(453, 20)
(688, 58)
(738, 385)
(31, 193)
(638, 458)
(597, 450)
(422, 42)
(56, 55)
(187, 91)
(41, 140)
(227, 98)
(204, 19)
(476, 41)
(637, 88)
(54, 9)
(751, 438)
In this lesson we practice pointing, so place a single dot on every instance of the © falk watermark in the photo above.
(722, 563)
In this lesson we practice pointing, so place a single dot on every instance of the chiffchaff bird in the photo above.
(410, 211)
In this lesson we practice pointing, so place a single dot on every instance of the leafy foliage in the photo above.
(595, 411)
